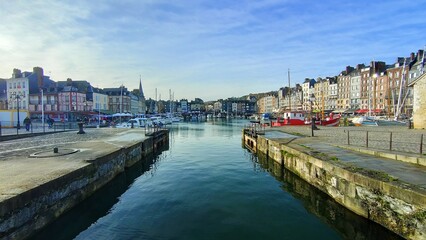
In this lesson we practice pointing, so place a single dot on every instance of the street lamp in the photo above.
(17, 97)
(313, 127)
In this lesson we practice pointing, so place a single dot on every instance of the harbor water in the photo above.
(205, 185)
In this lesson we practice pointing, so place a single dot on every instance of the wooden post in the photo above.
(390, 142)
(348, 137)
(366, 139)
(421, 144)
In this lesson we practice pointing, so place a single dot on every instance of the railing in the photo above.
(254, 129)
(9, 128)
(392, 141)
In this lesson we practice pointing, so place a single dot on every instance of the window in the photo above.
(14, 85)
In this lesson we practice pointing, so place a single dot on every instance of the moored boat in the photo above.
(301, 118)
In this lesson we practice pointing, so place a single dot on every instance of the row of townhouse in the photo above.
(182, 106)
(37, 94)
(377, 88)
(233, 106)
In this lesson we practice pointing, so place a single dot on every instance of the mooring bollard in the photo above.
(80, 127)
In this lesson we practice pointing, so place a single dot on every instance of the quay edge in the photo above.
(398, 206)
(24, 214)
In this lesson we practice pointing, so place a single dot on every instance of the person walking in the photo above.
(27, 122)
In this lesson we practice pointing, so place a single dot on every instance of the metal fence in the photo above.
(392, 141)
(10, 128)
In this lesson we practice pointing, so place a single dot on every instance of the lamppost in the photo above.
(17, 97)
(313, 127)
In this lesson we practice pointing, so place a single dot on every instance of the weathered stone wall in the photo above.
(22, 215)
(419, 105)
(395, 205)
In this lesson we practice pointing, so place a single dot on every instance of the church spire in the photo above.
(140, 87)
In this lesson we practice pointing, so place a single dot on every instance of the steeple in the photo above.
(140, 88)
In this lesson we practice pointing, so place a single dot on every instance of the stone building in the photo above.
(419, 101)
(344, 84)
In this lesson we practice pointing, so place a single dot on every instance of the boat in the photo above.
(364, 121)
(301, 119)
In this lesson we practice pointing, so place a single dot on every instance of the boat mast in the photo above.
(289, 91)
(322, 99)
(399, 106)
(170, 101)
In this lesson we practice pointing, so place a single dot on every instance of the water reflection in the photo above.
(348, 224)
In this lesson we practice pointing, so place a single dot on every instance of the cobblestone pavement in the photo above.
(403, 139)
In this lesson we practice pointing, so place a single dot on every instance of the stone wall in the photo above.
(419, 105)
(397, 206)
(28, 212)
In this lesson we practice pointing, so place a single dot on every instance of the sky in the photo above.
(208, 49)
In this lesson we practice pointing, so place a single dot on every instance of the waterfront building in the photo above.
(3, 94)
(415, 70)
(283, 99)
(29, 87)
(290, 98)
(321, 94)
(369, 77)
(18, 91)
(332, 93)
(75, 98)
(217, 107)
(355, 87)
(307, 93)
(118, 99)
(100, 101)
(184, 106)
(344, 83)
(380, 91)
(196, 105)
(134, 104)
(419, 101)
(268, 104)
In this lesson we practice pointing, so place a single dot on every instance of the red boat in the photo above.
(300, 118)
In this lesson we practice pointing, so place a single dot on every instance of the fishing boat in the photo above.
(301, 118)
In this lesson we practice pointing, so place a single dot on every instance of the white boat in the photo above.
(137, 123)
(176, 119)
(364, 121)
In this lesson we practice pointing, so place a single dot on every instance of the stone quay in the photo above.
(44, 176)
(387, 187)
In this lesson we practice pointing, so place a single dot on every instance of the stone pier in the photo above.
(38, 184)
(390, 197)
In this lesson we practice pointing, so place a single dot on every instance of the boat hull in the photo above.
(298, 122)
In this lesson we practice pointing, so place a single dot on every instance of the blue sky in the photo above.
(207, 49)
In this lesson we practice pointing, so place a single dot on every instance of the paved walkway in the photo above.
(19, 173)
(326, 143)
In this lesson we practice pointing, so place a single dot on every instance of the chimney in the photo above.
(16, 73)
(412, 57)
(39, 73)
(419, 55)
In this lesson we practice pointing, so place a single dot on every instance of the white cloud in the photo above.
(207, 49)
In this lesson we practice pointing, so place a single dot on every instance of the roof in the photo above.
(423, 76)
